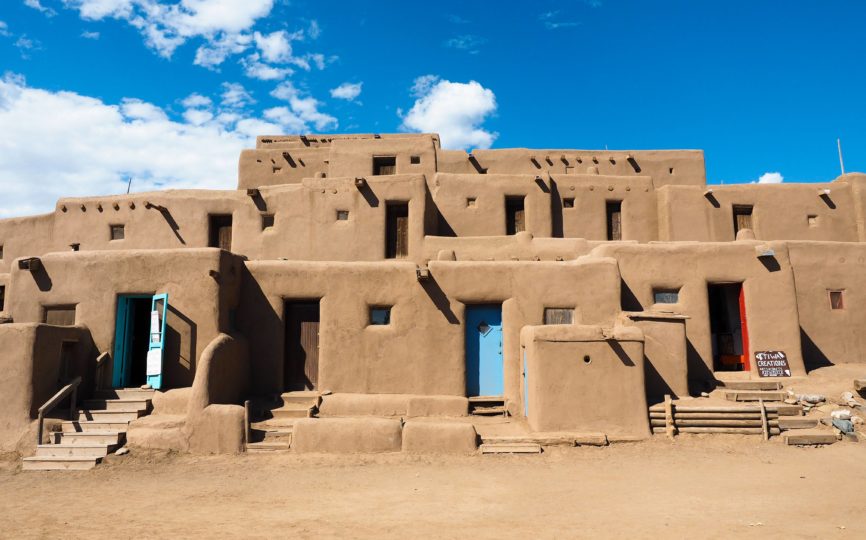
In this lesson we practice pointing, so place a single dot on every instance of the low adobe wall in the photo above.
(585, 379)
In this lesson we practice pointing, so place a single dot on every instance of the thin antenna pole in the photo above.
(129, 184)
(841, 162)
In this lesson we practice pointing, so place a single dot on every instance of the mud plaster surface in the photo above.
(706, 487)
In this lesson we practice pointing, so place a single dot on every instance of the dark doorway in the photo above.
(301, 370)
(131, 340)
(220, 232)
(515, 215)
(742, 218)
(384, 165)
(614, 220)
(729, 331)
(397, 233)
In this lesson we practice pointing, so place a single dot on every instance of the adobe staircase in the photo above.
(98, 429)
(272, 420)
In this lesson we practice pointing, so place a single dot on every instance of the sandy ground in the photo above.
(697, 486)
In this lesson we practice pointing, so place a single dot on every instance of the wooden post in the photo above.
(670, 429)
(764, 424)
(246, 423)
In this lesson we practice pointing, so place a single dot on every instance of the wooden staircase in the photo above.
(487, 406)
(95, 431)
(271, 421)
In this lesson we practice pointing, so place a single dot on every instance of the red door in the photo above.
(744, 329)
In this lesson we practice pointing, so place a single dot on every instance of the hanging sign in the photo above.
(154, 362)
(772, 364)
(155, 336)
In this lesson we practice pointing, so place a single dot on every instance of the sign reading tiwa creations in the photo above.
(772, 364)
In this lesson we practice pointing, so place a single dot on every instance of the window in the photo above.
(380, 316)
(471, 202)
(836, 300)
(515, 215)
(1, 252)
(568, 202)
(267, 221)
(59, 315)
(2, 297)
(812, 220)
(220, 232)
(384, 165)
(666, 296)
(117, 232)
(342, 215)
(742, 218)
(397, 233)
(558, 315)
(671, 170)
(614, 220)
(415, 160)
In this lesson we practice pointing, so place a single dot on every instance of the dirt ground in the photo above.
(703, 486)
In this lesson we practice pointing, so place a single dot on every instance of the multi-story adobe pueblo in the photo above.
(393, 293)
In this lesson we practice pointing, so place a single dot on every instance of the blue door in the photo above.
(484, 374)
(139, 340)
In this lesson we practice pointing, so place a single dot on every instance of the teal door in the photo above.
(139, 340)
(484, 371)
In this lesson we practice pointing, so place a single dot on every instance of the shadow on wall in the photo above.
(166, 214)
(656, 387)
(770, 263)
(42, 279)
(181, 337)
(620, 352)
(813, 357)
(628, 301)
(368, 194)
(700, 375)
(555, 210)
(265, 333)
(439, 299)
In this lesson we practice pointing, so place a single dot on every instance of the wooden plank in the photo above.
(713, 423)
(764, 424)
(721, 430)
(515, 448)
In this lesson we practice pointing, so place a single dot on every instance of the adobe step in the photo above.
(89, 438)
(755, 395)
(752, 385)
(268, 446)
(59, 463)
(801, 422)
(487, 405)
(810, 437)
(58, 450)
(71, 426)
(124, 393)
(510, 448)
(109, 416)
(310, 398)
(126, 405)
(292, 410)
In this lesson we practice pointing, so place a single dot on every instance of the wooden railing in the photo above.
(100, 366)
(71, 388)
(246, 424)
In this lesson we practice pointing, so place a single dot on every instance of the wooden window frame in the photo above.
(665, 290)
(553, 313)
(380, 168)
(115, 227)
(833, 305)
(613, 220)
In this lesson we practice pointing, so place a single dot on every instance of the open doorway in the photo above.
(728, 327)
(301, 362)
(397, 233)
(131, 342)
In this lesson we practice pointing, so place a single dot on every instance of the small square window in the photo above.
(342, 215)
(568, 202)
(671, 170)
(415, 160)
(117, 232)
(380, 316)
(836, 300)
(666, 296)
(558, 316)
(470, 202)
(812, 220)
(1, 252)
(267, 221)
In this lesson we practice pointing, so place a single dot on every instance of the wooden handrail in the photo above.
(71, 388)
(100, 364)
(246, 424)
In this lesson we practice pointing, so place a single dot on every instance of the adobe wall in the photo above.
(91, 281)
(23, 237)
(771, 302)
(519, 247)
(828, 335)
(580, 378)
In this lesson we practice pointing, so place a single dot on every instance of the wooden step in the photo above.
(83, 425)
(488, 411)
(268, 446)
(126, 405)
(108, 416)
(720, 430)
(809, 437)
(798, 423)
(552, 439)
(89, 438)
(511, 448)
(292, 411)
(124, 393)
(57, 450)
(59, 463)
(715, 422)
(755, 395)
(752, 385)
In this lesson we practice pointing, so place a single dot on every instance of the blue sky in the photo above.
(97, 91)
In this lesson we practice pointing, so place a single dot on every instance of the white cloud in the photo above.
(4, 29)
(25, 45)
(452, 109)
(215, 51)
(304, 107)
(235, 95)
(90, 35)
(36, 4)
(59, 144)
(256, 69)
(348, 91)
(552, 20)
(771, 178)
(193, 101)
(467, 42)
(275, 47)
(314, 31)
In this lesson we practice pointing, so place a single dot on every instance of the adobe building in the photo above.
(393, 293)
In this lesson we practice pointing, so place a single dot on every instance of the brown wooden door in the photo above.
(301, 370)
(397, 235)
(515, 215)
(220, 232)
(614, 220)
